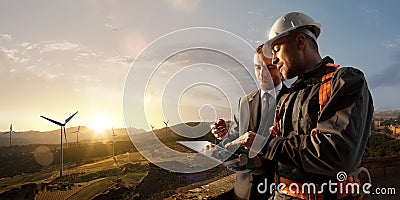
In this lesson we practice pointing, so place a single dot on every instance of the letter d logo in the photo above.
(265, 187)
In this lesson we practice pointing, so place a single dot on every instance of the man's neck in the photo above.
(312, 62)
(274, 91)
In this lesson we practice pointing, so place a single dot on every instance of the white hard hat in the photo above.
(290, 22)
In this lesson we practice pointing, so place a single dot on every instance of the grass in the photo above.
(89, 170)
(93, 189)
(26, 178)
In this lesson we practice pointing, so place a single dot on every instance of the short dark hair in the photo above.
(313, 42)
(259, 49)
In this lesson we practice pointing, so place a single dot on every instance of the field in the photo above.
(90, 172)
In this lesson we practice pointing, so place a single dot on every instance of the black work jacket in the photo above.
(344, 126)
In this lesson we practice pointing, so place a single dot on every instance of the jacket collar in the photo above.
(310, 78)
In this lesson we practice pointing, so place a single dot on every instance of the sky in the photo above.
(142, 63)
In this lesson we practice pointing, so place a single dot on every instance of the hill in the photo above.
(31, 171)
(383, 115)
(53, 137)
(90, 172)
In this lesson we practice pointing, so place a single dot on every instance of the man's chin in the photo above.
(266, 87)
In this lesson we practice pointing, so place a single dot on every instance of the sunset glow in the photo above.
(99, 124)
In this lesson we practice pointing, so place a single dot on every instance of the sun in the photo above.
(99, 124)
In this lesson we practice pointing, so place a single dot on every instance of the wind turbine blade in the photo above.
(69, 118)
(77, 131)
(56, 122)
(65, 136)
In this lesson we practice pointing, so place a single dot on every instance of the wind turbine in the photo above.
(166, 126)
(10, 132)
(62, 125)
(77, 133)
(113, 135)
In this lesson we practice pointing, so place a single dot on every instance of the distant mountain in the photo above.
(387, 114)
(53, 137)
(183, 131)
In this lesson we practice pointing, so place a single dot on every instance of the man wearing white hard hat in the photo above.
(323, 123)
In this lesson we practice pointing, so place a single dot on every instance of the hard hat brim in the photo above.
(267, 48)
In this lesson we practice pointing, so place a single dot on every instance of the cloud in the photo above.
(6, 58)
(59, 46)
(5, 37)
(120, 60)
(48, 76)
(184, 5)
(393, 43)
(370, 11)
(13, 56)
(86, 54)
(31, 67)
(370, 15)
(23, 44)
(23, 60)
(388, 76)
(81, 78)
(255, 12)
(27, 45)
(113, 27)
(259, 42)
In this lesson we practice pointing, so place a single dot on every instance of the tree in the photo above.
(387, 130)
(385, 123)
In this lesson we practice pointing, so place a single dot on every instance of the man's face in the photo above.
(267, 75)
(286, 57)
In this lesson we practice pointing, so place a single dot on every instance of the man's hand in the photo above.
(246, 140)
(210, 148)
(219, 130)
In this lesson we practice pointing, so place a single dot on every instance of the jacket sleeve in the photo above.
(344, 127)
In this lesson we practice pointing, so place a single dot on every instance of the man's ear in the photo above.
(300, 40)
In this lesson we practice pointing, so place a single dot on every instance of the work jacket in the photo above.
(343, 127)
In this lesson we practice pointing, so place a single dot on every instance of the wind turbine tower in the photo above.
(62, 126)
(113, 135)
(77, 133)
(10, 132)
(166, 126)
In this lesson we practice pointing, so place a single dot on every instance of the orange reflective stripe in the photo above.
(325, 88)
(324, 96)
(300, 193)
(341, 187)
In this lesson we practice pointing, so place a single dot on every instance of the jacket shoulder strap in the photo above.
(325, 89)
